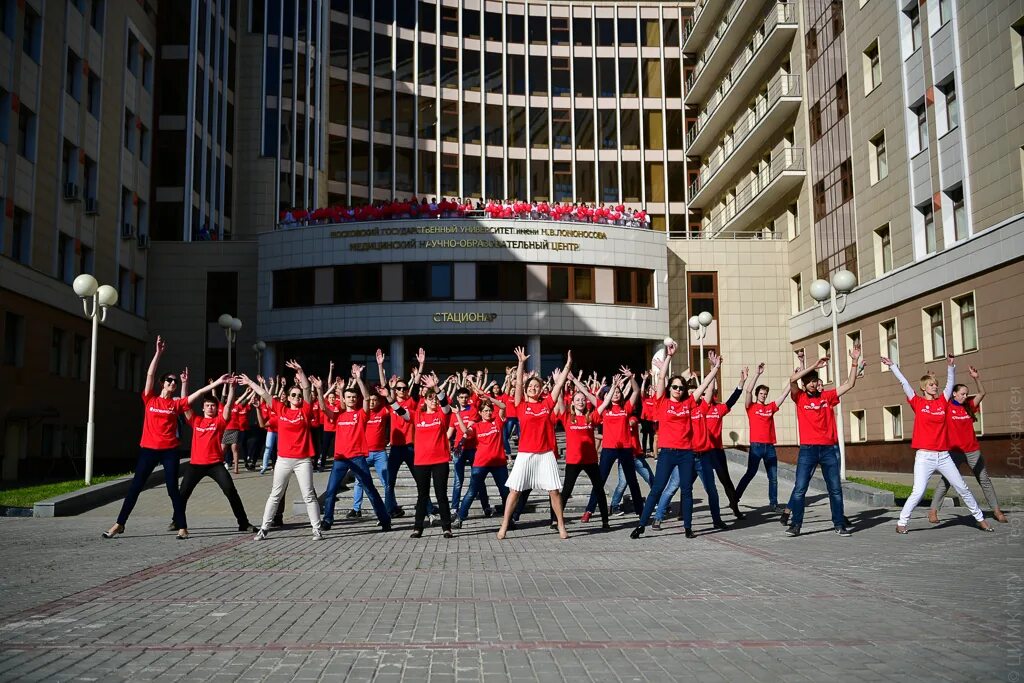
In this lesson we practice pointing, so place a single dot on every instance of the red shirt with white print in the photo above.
(713, 414)
(931, 426)
(490, 449)
(580, 446)
(761, 418)
(675, 428)
(536, 426)
(378, 425)
(961, 426)
(207, 433)
(816, 419)
(294, 430)
(402, 430)
(431, 437)
(350, 434)
(160, 421)
(616, 426)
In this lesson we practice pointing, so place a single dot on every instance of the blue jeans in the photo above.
(624, 456)
(463, 457)
(666, 498)
(511, 425)
(378, 460)
(361, 470)
(642, 468)
(705, 463)
(761, 452)
(477, 484)
(270, 448)
(808, 460)
(396, 457)
(149, 458)
(673, 464)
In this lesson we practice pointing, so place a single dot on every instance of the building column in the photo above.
(269, 361)
(533, 351)
(397, 353)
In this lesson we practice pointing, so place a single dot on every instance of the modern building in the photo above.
(76, 117)
(880, 137)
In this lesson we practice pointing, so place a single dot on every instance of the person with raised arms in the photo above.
(489, 458)
(579, 422)
(761, 421)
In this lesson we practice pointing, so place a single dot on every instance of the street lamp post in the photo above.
(259, 347)
(102, 298)
(831, 298)
(231, 326)
(700, 324)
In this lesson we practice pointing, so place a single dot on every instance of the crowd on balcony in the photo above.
(398, 209)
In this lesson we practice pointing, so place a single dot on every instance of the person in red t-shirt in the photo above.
(931, 440)
(333, 399)
(485, 429)
(464, 451)
(819, 443)
(350, 448)
(268, 421)
(431, 453)
(206, 461)
(648, 419)
(159, 444)
(581, 447)
(378, 426)
(238, 425)
(964, 447)
(761, 421)
(535, 465)
(294, 448)
(712, 413)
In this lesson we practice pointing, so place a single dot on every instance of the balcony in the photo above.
(749, 136)
(729, 36)
(749, 71)
(784, 173)
(700, 25)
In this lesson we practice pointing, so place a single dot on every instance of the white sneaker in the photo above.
(431, 519)
(318, 535)
(261, 535)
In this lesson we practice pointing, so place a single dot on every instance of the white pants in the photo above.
(303, 469)
(925, 464)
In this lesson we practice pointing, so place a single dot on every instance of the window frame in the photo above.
(956, 304)
(884, 338)
(872, 62)
(928, 330)
(883, 246)
(571, 275)
(858, 420)
(892, 418)
(878, 155)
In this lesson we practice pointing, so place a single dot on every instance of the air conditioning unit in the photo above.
(71, 192)
(143, 241)
(127, 231)
(92, 206)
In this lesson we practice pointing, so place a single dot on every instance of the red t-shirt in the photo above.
(961, 426)
(761, 418)
(318, 416)
(698, 428)
(713, 414)
(160, 422)
(536, 426)
(239, 417)
(634, 437)
(816, 419)
(510, 405)
(649, 410)
(402, 430)
(334, 404)
(207, 433)
(469, 415)
(580, 448)
(931, 425)
(294, 430)
(490, 450)
(378, 424)
(616, 426)
(269, 417)
(431, 438)
(350, 434)
(674, 426)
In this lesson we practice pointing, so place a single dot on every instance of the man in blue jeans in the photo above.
(819, 443)
(378, 425)
(463, 452)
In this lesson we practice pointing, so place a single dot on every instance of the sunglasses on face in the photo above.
(401, 387)
(294, 395)
(677, 387)
(170, 380)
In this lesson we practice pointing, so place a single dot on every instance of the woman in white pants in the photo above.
(535, 466)
(931, 440)
(294, 448)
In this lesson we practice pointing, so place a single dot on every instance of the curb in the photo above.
(852, 492)
(91, 497)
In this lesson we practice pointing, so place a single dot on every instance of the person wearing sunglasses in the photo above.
(294, 448)
(675, 439)
(158, 446)
(402, 432)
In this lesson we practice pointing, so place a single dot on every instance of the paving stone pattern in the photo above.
(747, 604)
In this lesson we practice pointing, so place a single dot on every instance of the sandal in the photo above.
(985, 526)
(416, 533)
(902, 529)
(182, 535)
(113, 531)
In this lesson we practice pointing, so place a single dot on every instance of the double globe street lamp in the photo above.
(700, 324)
(831, 298)
(231, 326)
(101, 297)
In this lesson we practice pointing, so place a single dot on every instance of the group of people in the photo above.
(397, 209)
(439, 428)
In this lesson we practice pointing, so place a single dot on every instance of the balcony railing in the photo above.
(786, 159)
(782, 85)
(764, 235)
(781, 13)
(712, 45)
(697, 10)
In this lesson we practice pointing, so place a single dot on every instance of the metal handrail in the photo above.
(787, 159)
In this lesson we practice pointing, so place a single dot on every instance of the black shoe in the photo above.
(457, 523)
(739, 515)
(488, 512)
(247, 527)
(553, 525)
(689, 533)
(843, 531)
(172, 527)
(784, 519)
(354, 514)
(793, 530)
(325, 525)
(448, 534)
(657, 525)
(385, 527)
(416, 533)
(720, 525)
(637, 532)
(605, 526)
(277, 523)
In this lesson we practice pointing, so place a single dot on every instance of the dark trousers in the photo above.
(593, 471)
(396, 456)
(647, 435)
(195, 473)
(149, 458)
(254, 439)
(721, 465)
(326, 450)
(624, 456)
(424, 474)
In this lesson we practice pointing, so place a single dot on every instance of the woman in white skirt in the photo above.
(931, 440)
(535, 466)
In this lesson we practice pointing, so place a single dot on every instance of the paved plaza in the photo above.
(748, 604)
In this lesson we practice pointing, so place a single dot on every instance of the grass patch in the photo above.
(899, 491)
(27, 496)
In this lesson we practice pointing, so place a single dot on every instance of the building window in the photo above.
(129, 131)
(65, 258)
(1017, 51)
(930, 244)
(818, 196)
(837, 18)
(702, 293)
(892, 418)
(21, 235)
(796, 294)
(571, 283)
(812, 46)
(945, 11)
(872, 67)
(93, 102)
(633, 287)
(960, 228)
(293, 288)
(965, 324)
(934, 333)
(825, 351)
(858, 426)
(914, 16)
(889, 345)
(27, 133)
(57, 352)
(842, 97)
(357, 284)
(427, 281)
(952, 107)
(814, 121)
(879, 159)
(846, 181)
(883, 250)
(501, 281)
(78, 366)
(96, 14)
(14, 340)
(32, 38)
(73, 76)
(920, 124)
